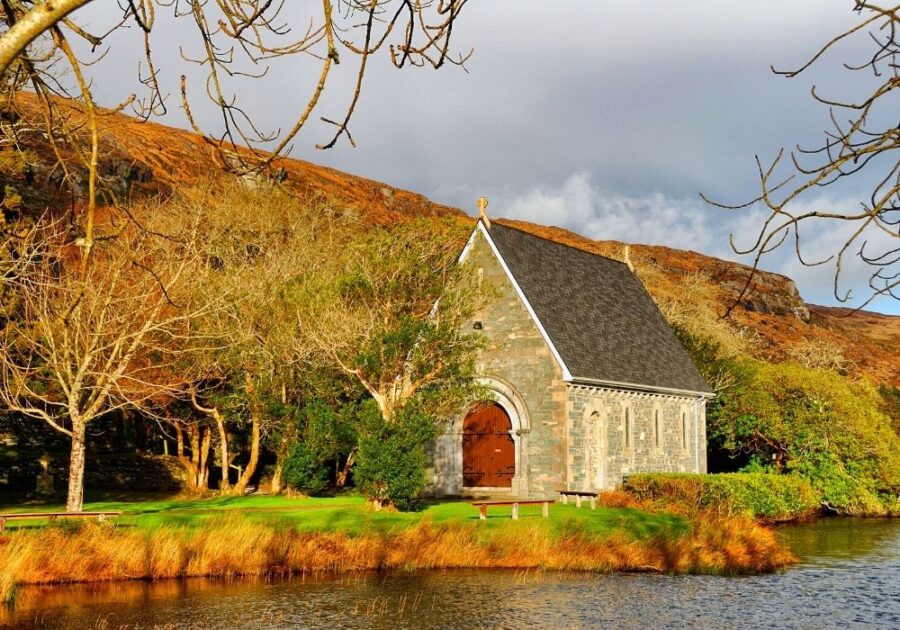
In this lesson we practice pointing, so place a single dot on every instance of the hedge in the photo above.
(770, 497)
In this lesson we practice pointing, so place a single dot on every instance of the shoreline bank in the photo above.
(233, 546)
(840, 560)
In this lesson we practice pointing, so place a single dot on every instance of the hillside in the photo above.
(772, 322)
(149, 158)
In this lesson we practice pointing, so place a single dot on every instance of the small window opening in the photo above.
(683, 430)
(656, 429)
(627, 428)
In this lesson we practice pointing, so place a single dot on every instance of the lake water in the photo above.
(849, 576)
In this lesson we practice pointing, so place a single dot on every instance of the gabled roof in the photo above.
(598, 319)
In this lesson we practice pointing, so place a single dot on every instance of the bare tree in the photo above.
(19, 251)
(822, 354)
(862, 142)
(90, 343)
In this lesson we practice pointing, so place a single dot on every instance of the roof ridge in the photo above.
(555, 242)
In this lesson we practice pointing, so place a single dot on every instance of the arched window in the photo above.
(656, 437)
(593, 452)
(684, 430)
(627, 437)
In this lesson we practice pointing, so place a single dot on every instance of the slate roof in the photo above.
(597, 313)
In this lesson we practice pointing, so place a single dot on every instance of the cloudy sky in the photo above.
(604, 117)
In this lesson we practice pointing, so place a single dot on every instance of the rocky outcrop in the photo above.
(768, 293)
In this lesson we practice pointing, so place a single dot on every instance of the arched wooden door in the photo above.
(489, 453)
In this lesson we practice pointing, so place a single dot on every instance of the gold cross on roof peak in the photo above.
(482, 204)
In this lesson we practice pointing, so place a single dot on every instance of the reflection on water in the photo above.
(836, 540)
(849, 576)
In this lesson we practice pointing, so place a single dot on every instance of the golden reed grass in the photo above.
(234, 546)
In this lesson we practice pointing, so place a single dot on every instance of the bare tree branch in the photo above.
(866, 141)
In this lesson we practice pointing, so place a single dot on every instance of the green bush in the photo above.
(840, 433)
(890, 397)
(817, 424)
(319, 437)
(304, 469)
(392, 461)
(767, 496)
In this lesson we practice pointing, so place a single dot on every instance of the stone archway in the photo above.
(447, 477)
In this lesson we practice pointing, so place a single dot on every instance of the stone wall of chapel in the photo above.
(516, 355)
(599, 454)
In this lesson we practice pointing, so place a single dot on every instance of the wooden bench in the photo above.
(578, 497)
(515, 503)
(51, 516)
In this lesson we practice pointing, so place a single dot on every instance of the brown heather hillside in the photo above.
(772, 322)
(149, 158)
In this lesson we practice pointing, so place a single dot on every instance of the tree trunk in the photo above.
(341, 480)
(249, 471)
(75, 496)
(179, 441)
(276, 486)
(224, 457)
(194, 432)
(202, 468)
(182, 458)
(281, 455)
(196, 465)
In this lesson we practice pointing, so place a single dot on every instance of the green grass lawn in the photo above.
(350, 514)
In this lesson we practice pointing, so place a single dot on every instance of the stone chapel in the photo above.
(589, 383)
